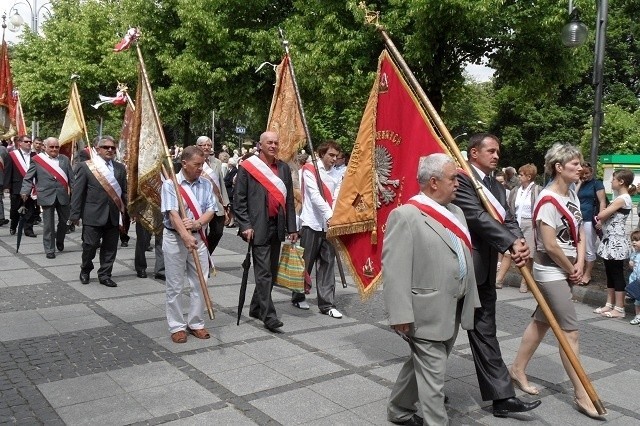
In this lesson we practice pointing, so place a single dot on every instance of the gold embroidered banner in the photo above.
(7, 100)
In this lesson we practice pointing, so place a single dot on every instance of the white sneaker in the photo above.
(635, 320)
(334, 313)
(302, 305)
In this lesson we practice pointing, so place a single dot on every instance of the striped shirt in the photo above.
(201, 188)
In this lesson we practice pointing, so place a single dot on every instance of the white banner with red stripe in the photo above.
(553, 198)
(53, 168)
(443, 216)
(328, 196)
(18, 161)
(261, 172)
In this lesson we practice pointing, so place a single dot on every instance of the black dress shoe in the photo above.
(274, 325)
(60, 247)
(4, 222)
(51, 255)
(124, 244)
(415, 420)
(160, 277)
(141, 274)
(12, 231)
(502, 407)
(30, 234)
(84, 277)
(108, 282)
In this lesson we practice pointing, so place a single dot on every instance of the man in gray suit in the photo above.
(52, 175)
(429, 289)
(212, 171)
(98, 197)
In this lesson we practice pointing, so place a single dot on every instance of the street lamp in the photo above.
(34, 8)
(461, 134)
(574, 35)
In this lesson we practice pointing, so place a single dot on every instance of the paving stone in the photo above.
(225, 416)
(303, 367)
(173, 397)
(250, 379)
(102, 412)
(350, 391)
(223, 359)
(297, 406)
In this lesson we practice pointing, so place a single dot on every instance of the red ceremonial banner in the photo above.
(401, 135)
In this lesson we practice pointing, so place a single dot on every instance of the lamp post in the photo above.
(574, 34)
(36, 9)
(461, 134)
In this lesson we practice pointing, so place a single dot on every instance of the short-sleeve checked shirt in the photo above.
(201, 188)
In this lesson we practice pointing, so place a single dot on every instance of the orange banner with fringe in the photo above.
(394, 133)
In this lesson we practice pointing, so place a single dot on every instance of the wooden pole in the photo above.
(314, 159)
(172, 175)
(526, 274)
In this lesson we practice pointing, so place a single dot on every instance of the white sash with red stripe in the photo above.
(192, 204)
(443, 216)
(495, 205)
(328, 196)
(19, 161)
(261, 172)
(53, 168)
(211, 175)
(553, 198)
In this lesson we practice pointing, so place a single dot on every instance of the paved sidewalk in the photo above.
(87, 354)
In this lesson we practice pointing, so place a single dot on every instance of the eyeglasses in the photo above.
(54, 147)
(27, 141)
(206, 145)
(108, 147)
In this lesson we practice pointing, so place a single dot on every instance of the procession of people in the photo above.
(439, 255)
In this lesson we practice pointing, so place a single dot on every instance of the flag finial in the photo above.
(371, 17)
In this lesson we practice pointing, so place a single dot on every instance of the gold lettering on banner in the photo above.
(368, 269)
(389, 135)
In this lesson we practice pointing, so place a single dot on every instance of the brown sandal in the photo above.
(179, 337)
(200, 333)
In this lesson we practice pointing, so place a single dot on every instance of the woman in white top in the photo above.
(521, 202)
(559, 263)
(614, 248)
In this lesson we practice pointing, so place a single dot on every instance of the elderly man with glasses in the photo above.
(14, 173)
(52, 175)
(99, 197)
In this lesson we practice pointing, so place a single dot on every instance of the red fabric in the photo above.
(273, 201)
(403, 130)
(7, 98)
(444, 221)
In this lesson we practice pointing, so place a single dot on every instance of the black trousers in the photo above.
(265, 266)
(143, 239)
(29, 216)
(103, 237)
(216, 229)
(493, 376)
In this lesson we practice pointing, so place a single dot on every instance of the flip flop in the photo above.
(584, 284)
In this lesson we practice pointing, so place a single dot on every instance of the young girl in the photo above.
(614, 248)
(634, 263)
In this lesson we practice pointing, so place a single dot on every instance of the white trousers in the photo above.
(180, 272)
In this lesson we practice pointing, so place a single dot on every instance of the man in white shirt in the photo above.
(317, 210)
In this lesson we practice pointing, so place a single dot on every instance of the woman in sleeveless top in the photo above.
(614, 248)
(559, 263)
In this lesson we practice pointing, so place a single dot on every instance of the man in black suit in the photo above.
(99, 196)
(264, 211)
(53, 177)
(489, 236)
(14, 171)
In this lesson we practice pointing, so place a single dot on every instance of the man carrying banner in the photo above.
(52, 175)
(490, 237)
(317, 209)
(212, 171)
(4, 159)
(264, 209)
(99, 196)
(181, 235)
(14, 172)
(429, 289)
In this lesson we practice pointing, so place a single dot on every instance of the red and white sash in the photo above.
(192, 204)
(1, 164)
(328, 196)
(214, 178)
(443, 216)
(495, 205)
(53, 168)
(261, 172)
(19, 162)
(550, 197)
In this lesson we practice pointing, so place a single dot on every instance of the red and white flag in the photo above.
(132, 35)
(118, 100)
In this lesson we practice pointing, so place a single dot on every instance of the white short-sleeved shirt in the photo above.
(549, 214)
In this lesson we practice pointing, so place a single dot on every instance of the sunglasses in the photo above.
(27, 141)
(108, 147)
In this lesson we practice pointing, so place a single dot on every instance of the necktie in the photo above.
(462, 263)
(110, 166)
(487, 182)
